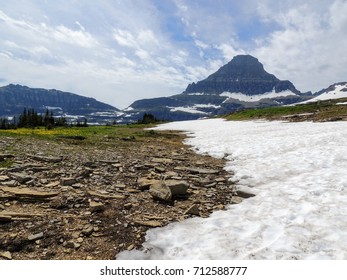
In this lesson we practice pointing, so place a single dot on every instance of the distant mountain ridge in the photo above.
(14, 98)
(241, 83)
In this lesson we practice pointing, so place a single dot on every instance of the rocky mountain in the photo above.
(243, 74)
(241, 83)
(14, 98)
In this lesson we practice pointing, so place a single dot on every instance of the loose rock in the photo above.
(21, 177)
(148, 223)
(161, 192)
(193, 210)
(144, 183)
(96, 206)
(35, 237)
(26, 193)
(6, 255)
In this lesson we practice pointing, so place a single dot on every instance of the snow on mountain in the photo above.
(335, 91)
(298, 173)
(239, 84)
(195, 108)
(254, 98)
(191, 110)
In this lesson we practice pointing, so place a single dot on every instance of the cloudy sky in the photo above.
(118, 51)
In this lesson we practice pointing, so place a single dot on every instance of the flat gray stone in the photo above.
(20, 177)
(36, 236)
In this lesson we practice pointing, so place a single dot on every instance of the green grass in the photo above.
(90, 133)
(122, 135)
(322, 109)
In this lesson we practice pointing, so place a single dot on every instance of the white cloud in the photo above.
(229, 51)
(308, 49)
(124, 38)
(338, 18)
(120, 51)
(66, 35)
(201, 44)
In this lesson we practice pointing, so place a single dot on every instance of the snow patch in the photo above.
(52, 108)
(128, 109)
(209, 105)
(197, 93)
(254, 98)
(191, 110)
(194, 109)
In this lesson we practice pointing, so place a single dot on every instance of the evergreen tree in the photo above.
(148, 118)
(23, 118)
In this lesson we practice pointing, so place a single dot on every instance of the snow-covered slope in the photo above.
(298, 173)
(333, 92)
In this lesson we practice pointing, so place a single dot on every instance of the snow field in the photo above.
(298, 173)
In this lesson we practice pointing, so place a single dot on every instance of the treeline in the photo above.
(148, 119)
(31, 119)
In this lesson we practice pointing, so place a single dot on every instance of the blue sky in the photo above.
(119, 51)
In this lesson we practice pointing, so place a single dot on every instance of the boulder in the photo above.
(160, 191)
(177, 187)
(144, 183)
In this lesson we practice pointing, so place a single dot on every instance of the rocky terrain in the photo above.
(70, 198)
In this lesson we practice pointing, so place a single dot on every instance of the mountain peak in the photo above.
(244, 59)
(241, 67)
(243, 74)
